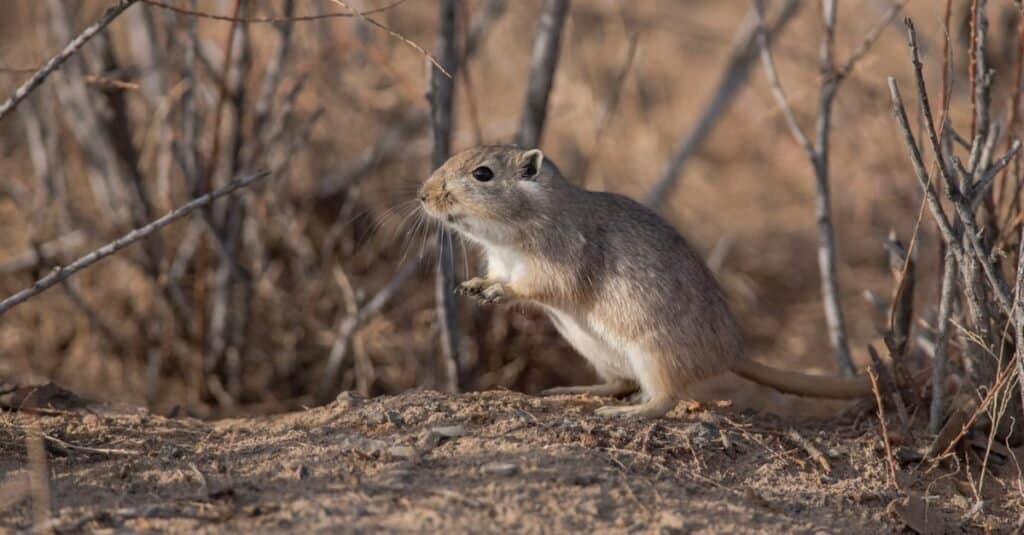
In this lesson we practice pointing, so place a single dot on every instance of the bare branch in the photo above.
(46, 252)
(396, 35)
(938, 214)
(442, 96)
(546, 48)
(733, 77)
(776, 86)
(947, 292)
(40, 75)
(61, 273)
(1019, 310)
(268, 20)
(610, 106)
(482, 21)
(869, 40)
(818, 154)
(977, 193)
(348, 327)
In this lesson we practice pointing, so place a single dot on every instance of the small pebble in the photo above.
(394, 418)
(500, 469)
(450, 431)
(402, 452)
(349, 400)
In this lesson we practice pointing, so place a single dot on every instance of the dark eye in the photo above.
(483, 174)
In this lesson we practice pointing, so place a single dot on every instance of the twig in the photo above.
(442, 96)
(873, 34)
(481, 22)
(938, 213)
(267, 20)
(546, 48)
(110, 83)
(611, 105)
(61, 273)
(23, 91)
(901, 308)
(218, 114)
(888, 386)
(999, 382)
(394, 34)
(1019, 309)
(272, 78)
(937, 409)
(45, 252)
(768, 62)
(105, 451)
(733, 77)
(885, 432)
(818, 154)
(811, 449)
(97, 321)
(347, 327)
(971, 240)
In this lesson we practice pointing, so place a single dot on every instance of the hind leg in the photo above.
(610, 388)
(659, 382)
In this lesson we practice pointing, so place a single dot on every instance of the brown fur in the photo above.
(618, 281)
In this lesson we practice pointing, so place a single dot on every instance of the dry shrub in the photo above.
(238, 310)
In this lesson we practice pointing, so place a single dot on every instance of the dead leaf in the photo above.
(918, 515)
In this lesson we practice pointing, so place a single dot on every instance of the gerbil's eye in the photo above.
(483, 174)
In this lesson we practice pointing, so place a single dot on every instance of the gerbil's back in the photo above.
(658, 283)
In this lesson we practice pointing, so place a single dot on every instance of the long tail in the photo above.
(801, 384)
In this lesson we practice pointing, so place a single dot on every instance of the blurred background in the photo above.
(238, 310)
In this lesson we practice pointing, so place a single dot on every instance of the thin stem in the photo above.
(40, 75)
(737, 70)
(546, 49)
(441, 96)
(62, 273)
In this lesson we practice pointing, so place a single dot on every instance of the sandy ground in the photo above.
(486, 462)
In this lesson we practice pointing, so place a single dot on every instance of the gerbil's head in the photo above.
(492, 193)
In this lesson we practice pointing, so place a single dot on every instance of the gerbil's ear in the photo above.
(532, 160)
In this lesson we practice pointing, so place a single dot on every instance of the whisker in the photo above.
(411, 236)
(465, 258)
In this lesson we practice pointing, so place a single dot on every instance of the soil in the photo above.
(492, 461)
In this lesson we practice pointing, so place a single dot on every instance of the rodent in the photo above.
(618, 282)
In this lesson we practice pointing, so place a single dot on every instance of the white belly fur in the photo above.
(610, 360)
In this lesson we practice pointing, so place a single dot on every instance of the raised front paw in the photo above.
(483, 290)
(473, 287)
(494, 294)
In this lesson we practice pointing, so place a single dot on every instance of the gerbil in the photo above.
(619, 283)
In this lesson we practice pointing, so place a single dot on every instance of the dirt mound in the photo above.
(492, 461)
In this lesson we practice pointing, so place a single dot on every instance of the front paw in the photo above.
(494, 294)
(483, 290)
(473, 287)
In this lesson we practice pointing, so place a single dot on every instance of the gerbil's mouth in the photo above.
(440, 209)
(434, 211)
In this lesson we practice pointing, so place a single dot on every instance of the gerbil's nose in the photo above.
(423, 197)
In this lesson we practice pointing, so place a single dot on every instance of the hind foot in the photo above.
(655, 408)
(609, 389)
